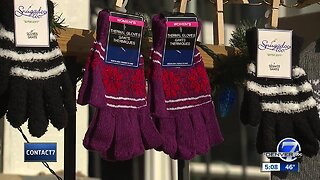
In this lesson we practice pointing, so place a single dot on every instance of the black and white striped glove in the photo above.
(38, 86)
(286, 108)
(281, 107)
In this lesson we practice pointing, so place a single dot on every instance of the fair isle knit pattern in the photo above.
(200, 85)
(112, 76)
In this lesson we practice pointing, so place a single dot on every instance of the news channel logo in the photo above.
(39, 152)
(288, 150)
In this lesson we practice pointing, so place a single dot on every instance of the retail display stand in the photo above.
(75, 45)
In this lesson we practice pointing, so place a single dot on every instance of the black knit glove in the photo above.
(286, 108)
(39, 88)
(282, 108)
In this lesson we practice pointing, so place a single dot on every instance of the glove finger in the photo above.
(185, 136)
(285, 127)
(53, 99)
(212, 126)
(123, 136)
(156, 93)
(266, 136)
(304, 135)
(17, 104)
(138, 147)
(200, 132)
(150, 135)
(38, 121)
(167, 128)
(100, 133)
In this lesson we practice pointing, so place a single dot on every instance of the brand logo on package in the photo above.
(31, 23)
(124, 39)
(274, 53)
(273, 45)
(30, 11)
(180, 41)
(38, 152)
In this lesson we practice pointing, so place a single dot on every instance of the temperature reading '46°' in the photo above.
(290, 166)
(293, 167)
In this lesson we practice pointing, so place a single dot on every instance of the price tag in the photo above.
(124, 40)
(180, 41)
(31, 23)
(274, 53)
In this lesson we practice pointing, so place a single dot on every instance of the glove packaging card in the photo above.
(274, 53)
(124, 40)
(31, 23)
(180, 41)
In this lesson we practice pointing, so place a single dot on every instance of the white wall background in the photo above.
(75, 12)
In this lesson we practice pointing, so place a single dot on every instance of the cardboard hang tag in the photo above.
(124, 39)
(274, 53)
(180, 41)
(31, 23)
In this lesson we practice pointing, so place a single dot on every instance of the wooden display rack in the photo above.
(77, 43)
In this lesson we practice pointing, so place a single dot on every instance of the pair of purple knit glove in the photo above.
(121, 127)
(180, 101)
(179, 98)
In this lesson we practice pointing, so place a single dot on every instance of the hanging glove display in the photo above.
(121, 127)
(180, 100)
(38, 86)
(281, 107)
